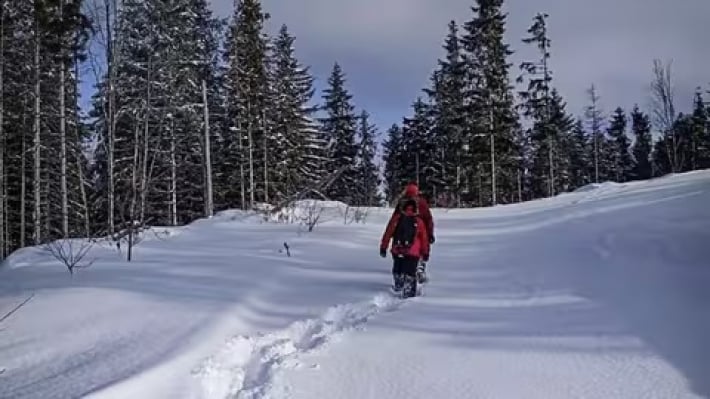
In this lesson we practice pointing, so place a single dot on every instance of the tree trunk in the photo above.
(520, 187)
(173, 175)
(146, 135)
(494, 199)
(596, 157)
(548, 126)
(63, 134)
(110, 118)
(37, 234)
(77, 154)
(242, 182)
(134, 189)
(251, 157)
(23, 181)
(3, 238)
(266, 159)
(209, 202)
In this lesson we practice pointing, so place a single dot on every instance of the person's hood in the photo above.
(411, 190)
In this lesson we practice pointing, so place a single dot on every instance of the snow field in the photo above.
(601, 293)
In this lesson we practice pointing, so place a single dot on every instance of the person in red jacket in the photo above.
(407, 232)
(411, 192)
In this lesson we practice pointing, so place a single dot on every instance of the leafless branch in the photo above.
(71, 255)
(16, 308)
(663, 111)
(312, 215)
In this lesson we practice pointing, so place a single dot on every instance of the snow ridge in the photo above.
(246, 367)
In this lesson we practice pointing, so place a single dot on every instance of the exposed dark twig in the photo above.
(16, 309)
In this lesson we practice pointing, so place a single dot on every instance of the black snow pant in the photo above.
(404, 272)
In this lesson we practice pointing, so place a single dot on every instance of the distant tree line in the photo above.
(471, 140)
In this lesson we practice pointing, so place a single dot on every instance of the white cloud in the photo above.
(388, 47)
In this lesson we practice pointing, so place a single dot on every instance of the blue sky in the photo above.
(388, 48)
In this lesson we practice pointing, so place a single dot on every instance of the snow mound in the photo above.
(606, 186)
(311, 211)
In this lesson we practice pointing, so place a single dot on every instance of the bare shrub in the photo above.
(71, 253)
(355, 215)
(312, 214)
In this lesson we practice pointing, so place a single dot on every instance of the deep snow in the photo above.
(601, 293)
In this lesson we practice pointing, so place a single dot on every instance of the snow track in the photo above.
(247, 366)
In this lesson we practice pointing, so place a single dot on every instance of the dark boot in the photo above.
(398, 282)
(410, 287)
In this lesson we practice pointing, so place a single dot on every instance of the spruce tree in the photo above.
(164, 73)
(297, 146)
(490, 116)
(418, 148)
(41, 159)
(393, 154)
(545, 108)
(641, 128)
(339, 126)
(595, 119)
(620, 143)
(246, 141)
(700, 141)
(580, 161)
(368, 175)
(448, 115)
(660, 160)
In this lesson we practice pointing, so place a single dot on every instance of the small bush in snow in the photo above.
(355, 214)
(71, 253)
(312, 215)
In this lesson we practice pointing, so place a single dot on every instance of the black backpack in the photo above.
(406, 231)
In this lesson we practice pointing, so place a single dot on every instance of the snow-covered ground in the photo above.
(601, 293)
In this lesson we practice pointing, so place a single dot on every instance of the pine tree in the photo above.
(154, 148)
(246, 141)
(340, 125)
(623, 164)
(580, 161)
(297, 143)
(641, 127)
(368, 175)
(394, 163)
(537, 104)
(490, 110)
(40, 44)
(545, 108)
(660, 160)
(562, 124)
(700, 144)
(447, 112)
(418, 148)
(595, 118)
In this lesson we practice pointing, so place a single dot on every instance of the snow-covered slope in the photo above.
(602, 293)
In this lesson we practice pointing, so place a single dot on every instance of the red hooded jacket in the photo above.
(412, 191)
(418, 249)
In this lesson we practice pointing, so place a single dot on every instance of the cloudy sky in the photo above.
(388, 48)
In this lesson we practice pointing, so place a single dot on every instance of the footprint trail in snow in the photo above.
(246, 367)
